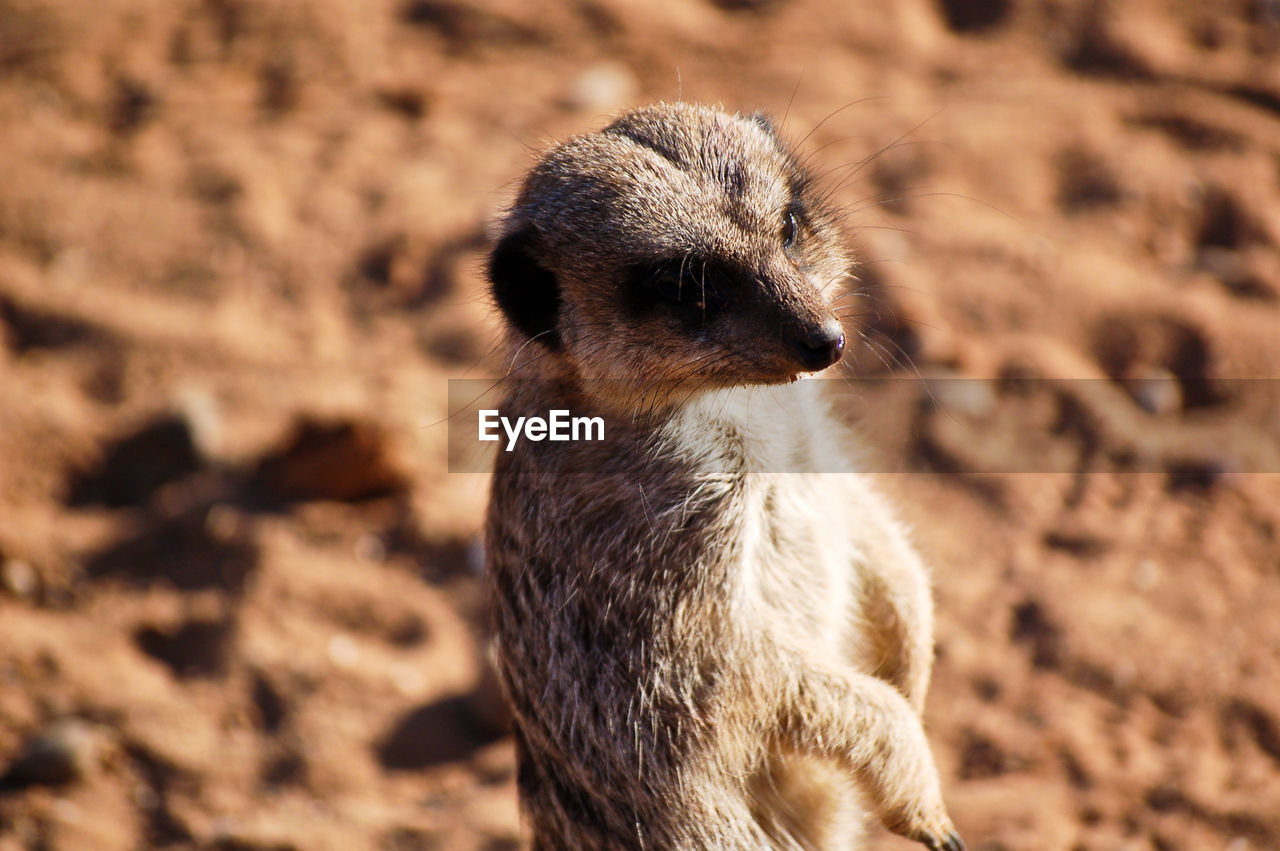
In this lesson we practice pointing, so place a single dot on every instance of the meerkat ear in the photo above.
(527, 294)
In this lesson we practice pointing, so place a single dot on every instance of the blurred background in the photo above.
(241, 252)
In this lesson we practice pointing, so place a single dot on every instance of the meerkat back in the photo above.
(710, 632)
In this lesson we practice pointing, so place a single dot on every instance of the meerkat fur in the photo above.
(712, 632)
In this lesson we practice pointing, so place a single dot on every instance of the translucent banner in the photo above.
(893, 425)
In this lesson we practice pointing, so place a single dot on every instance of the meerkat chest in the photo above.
(797, 574)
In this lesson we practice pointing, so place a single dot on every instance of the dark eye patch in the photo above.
(688, 286)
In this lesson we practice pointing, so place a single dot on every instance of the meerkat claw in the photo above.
(951, 842)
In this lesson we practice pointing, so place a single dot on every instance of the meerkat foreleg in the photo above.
(895, 601)
(869, 726)
(898, 614)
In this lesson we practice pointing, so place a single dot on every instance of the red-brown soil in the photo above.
(240, 254)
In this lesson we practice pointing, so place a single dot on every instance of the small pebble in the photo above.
(408, 680)
(222, 522)
(604, 86)
(369, 547)
(1145, 575)
(974, 397)
(19, 578)
(1156, 390)
(67, 812)
(203, 415)
(62, 752)
(343, 652)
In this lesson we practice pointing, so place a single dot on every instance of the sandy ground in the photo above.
(240, 254)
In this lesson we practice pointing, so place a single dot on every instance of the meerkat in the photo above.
(707, 640)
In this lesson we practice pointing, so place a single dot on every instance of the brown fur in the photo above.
(701, 650)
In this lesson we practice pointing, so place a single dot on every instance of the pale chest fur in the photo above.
(796, 576)
(792, 558)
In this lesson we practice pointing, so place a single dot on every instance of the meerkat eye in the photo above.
(669, 286)
(790, 229)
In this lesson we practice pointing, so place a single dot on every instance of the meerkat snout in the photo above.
(822, 346)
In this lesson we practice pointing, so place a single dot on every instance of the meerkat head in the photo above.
(680, 243)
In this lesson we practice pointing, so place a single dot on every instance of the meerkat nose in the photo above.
(821, 346)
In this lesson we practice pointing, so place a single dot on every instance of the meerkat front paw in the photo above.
(936, 834)
(926, 822)
(935, 831)
(950, 841)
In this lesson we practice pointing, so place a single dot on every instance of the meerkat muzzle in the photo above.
(821, 346)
